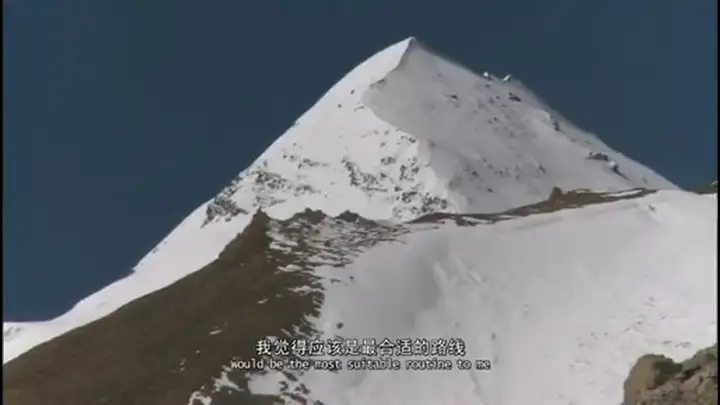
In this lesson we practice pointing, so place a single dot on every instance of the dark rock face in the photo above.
(557, 200)
(658, 380)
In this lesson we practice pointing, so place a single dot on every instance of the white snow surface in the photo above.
(404, 133)
(562, 304)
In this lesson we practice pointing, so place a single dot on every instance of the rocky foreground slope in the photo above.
(658, 380)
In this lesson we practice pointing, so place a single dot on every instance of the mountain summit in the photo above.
(408, 133)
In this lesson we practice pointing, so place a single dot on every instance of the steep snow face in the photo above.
(405, 133)
(561, 304)
(430, 135)
(409, 132)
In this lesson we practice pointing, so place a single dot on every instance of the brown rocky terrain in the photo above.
(658, 380)
(160, 349)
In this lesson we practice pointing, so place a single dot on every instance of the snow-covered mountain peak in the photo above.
(409, 132)
(406, 133)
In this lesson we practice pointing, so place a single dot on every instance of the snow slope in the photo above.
(407, 132)
(562, 304)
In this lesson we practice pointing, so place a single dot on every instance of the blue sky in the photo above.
(122, 116)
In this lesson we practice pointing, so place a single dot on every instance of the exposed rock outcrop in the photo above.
(658, 380)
